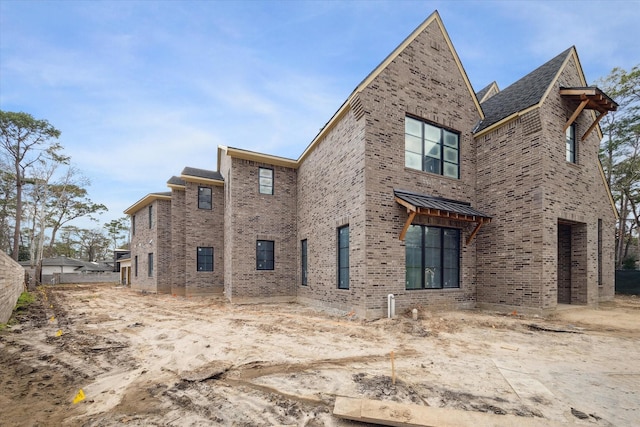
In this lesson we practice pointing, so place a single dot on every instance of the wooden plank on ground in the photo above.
(407, 415)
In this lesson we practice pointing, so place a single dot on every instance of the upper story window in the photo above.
(431, 148)
(133, 225)
(204, 198)
(571, 147)
(150, 216)
(266, 180)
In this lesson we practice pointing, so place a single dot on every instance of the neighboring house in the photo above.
(68, 266)
(416, 187)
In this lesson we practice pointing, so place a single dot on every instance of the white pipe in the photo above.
(391, 306)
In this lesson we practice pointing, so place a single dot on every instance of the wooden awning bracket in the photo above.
(575, 114)
(590, 98)
(593, 125)
(407, 223)
(413, 211)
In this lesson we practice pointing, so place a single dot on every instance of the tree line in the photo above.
(41, 193)
(620, 158)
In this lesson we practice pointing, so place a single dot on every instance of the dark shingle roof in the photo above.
(482, 92)
(202, 173)
(439, 203)
(174, 180)
(522, 94)
(62, 260)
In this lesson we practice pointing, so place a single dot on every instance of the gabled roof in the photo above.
(525, 93)
(174, 181)
(62, 261)
(487, 92)
(433, 18)
(201, 176)
(239, 153)
(202, 173)
(146, 200)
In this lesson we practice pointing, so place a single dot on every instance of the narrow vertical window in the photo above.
(150, 264)
(265, 259)
(204, 198)
(133, 225)
(570, 138)
(266, 180)
(343, 257)
(303, 261)
(431, 149)
(151, 216)
(599, 252)
(135, 266)
(205, 258)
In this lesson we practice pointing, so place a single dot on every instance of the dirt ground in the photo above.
(144, 359)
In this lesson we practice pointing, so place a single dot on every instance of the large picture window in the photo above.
(431, 148)
(570, 137)
(205, 258)
(432, 257)
(265, 255)
(343, 257)
(204, 198)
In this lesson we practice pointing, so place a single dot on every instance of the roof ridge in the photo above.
(523, 93)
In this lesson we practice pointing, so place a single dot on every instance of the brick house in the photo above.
(416, 187)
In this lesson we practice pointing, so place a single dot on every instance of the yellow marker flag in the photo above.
(79, 397)
(52, 319)
(59, 332)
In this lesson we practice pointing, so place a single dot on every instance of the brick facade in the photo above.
(550, 239)
(152, 237)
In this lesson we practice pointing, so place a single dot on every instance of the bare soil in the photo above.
(145, 359)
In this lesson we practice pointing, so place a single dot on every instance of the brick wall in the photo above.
(330, 195)
(525, 183)
(156, 240)
(425, 82)
(178, 242)
(576, 193)
(203, 227)
(11, 285)
(254, 216)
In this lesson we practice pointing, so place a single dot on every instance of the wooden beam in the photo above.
(578, 91)
(575, 114)
(389, 413)
(407, 223)
(406, 204)
(593, 126)
(474, 232)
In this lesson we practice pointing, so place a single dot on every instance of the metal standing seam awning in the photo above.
(588, 98)
(422, 204)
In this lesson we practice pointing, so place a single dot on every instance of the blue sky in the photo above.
(141, 89)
